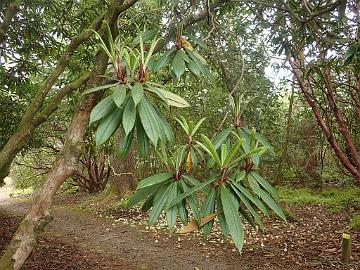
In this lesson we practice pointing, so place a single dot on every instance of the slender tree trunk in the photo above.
(10, 13)
(343, 157)
(284, 153)
(25, 238)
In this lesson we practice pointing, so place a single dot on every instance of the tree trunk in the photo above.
(11, 11)
(25, 238)
(122, 178)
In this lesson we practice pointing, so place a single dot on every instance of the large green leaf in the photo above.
(272, 204)
(98, 88)
(154, 179)
(171, 213)
(222, 137)
(159, 203)
(264, 183)
(125, 144)
(171, 98)
(191, 191)
(163, 60)
(102, 109)
(207, 209)
(141, 195)
(183, 212)
(222, 222)
(142, 140)
(119, 95)
(149, 120)
(107, 126)
(178, 65)
(145, 36)
(248, 205)
(129, 116)
(137, 93)
(252, 198)
(231, 211)
(192, 201)
(209, 147)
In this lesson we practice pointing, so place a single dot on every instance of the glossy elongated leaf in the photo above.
(166, 128)
(171, 213)
(141, 195)
(183, 55)
(178, 65)
(102, 109)
(145, 36)
(188, 191)
(137, 93)
(98, 88)
(240, 175)
(248, 205)
(129, 116)
(223, 154)
(207, 209)
(174, 99)
(265, 184)
(272, 204)
(254, 184)
(182, 122)
(149, 120)
(193, 67)
(209, 147)
(142, 139)
(125, 144)
(196, 127)
(163, 60)
(107, 126)
(192, 201)
(259, 204)
(231, 211)
(149, 202)
(154, 179)
(233, 152)
(183, 212)
(119, 95)
(222, 222)
(159, 203)
(222, 137)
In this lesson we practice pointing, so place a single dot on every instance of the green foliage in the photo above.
(134, 102)
(232, 188)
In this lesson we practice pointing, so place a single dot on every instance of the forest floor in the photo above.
(86, 235)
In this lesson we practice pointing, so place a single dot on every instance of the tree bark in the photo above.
(10, 13)
(25, 238)
(122, 178)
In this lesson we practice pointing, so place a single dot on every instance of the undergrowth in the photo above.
(337, 199)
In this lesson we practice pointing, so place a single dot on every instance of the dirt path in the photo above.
(84, 240)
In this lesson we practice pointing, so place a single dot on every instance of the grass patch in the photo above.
(355, 222)
(337, 198)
